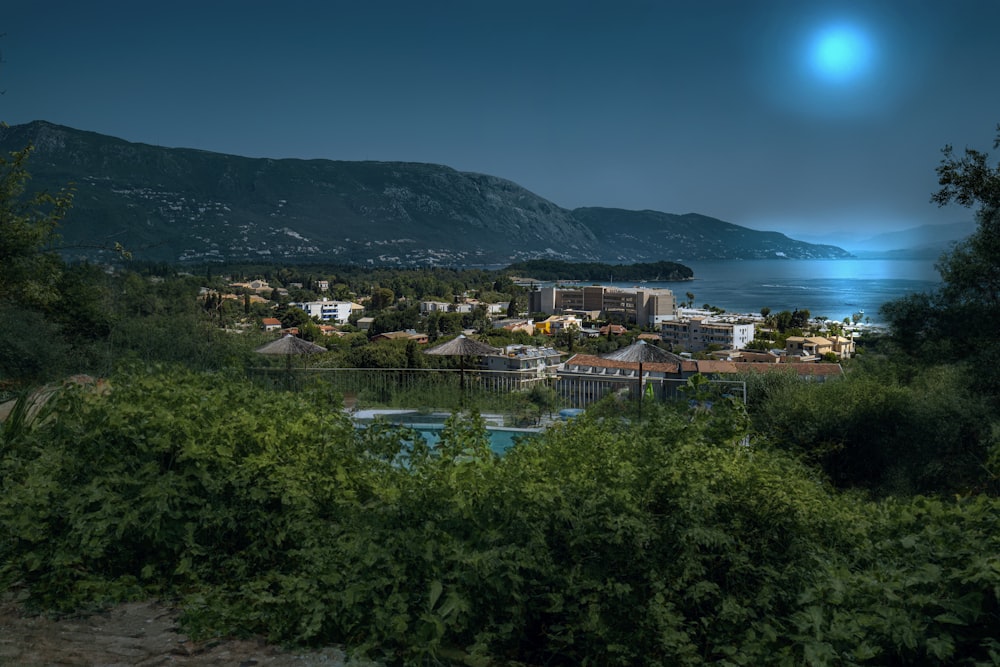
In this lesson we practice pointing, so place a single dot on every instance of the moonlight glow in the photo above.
(840, 54)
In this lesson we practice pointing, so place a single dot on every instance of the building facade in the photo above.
(697, 334)
(520, 366)
(639, 305)
(811, 348)
(329, 311)
(554, 324)
(584, 379)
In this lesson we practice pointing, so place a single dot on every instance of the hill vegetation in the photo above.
(854, 522)
(190, 207)
(551, 270)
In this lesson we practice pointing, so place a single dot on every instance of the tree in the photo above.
(783, 320)
(414, 357)
(800, 318)
(294, 317)
(382, 297)
(959, 321)
(544, 397)
(432, 325)
(29, 268)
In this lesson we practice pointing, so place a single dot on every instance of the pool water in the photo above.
(429, 425)
(501, 439)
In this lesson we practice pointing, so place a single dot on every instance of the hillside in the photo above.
(691, 236)
(191, 206)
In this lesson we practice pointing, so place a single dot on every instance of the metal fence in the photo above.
(422, 389)
(506, 392)
(581, 391)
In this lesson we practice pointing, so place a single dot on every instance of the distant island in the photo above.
(554, 270)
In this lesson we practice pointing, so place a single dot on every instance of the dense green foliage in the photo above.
(27, 224)
(883, 430)
(602, 542)
(552, 269)
(958, 322)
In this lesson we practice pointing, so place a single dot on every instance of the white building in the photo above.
(519, 366)
(434, 307)
(329, 311)
(698, 333)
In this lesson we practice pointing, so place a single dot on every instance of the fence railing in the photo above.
(421, 389)
(506, 392)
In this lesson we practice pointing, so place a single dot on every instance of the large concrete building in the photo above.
(639, 305)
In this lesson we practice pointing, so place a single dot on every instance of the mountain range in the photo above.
(182, 205)
(922, 242)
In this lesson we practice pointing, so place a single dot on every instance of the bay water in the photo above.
(834, 288)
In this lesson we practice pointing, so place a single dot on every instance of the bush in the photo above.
(602, 542)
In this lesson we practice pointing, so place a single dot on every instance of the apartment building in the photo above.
(639, 305)
(697, 334)
(329, 311)
(518, 367)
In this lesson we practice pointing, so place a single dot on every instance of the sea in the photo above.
(833, 288)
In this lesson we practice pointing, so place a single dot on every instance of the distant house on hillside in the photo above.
(329, 311)
(812, 348)
(409, 334)
(270, 324)
(515, 324)
(257, 286)
(553, 324)
(434, 307)
(612, 330)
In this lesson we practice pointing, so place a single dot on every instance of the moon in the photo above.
(840, 54)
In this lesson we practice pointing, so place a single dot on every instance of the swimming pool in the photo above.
(501, 439)
(429, 426)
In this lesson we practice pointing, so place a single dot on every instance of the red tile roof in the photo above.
(708, 367)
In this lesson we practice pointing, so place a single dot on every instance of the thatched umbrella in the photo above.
(462, 347)
(289, 346)
(642, 352)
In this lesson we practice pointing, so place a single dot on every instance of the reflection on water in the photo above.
(834, 288)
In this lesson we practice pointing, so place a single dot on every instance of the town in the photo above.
(561, 334)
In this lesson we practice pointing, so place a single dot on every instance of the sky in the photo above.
(822, 120)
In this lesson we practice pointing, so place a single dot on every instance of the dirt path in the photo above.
(140, 634)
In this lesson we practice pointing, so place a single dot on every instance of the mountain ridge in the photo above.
(187, 205)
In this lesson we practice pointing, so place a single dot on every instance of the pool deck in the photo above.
(493, 421)
(439, 417)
